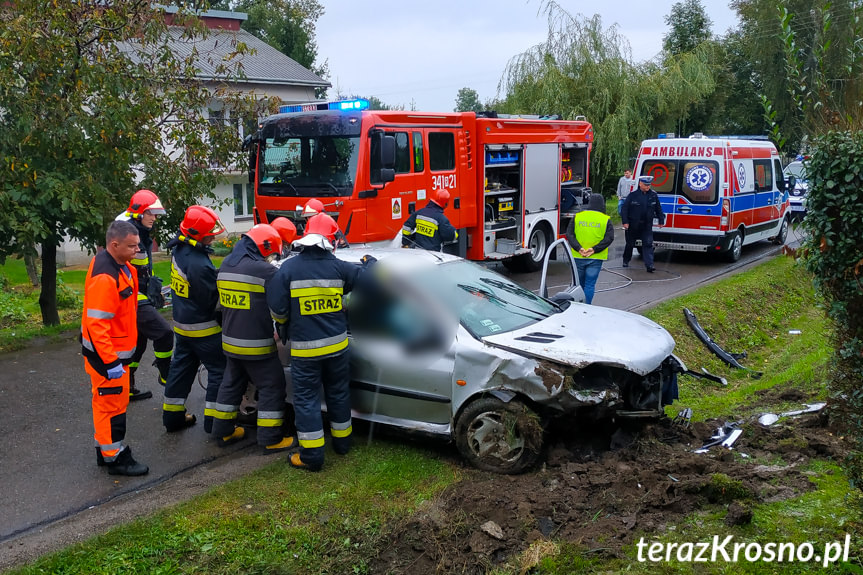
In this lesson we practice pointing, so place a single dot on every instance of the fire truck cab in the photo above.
(718, 193)
(514, 182)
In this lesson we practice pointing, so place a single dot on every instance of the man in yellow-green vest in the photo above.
(589, 234)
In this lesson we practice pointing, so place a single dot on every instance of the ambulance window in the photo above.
(403, 153)
(441, 151)
(698, 182)
(419, 162)
(763, 175)
(664, 174)
(780, 176)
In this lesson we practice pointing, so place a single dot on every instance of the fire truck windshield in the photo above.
(308, 155)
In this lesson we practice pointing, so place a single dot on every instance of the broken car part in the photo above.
(713, 346)
(771, 418)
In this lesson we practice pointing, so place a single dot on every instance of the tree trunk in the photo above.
(30, 264)
(48, 296)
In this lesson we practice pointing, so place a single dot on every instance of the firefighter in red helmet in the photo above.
(287, 231)
(248, 342)
(144, 207)
(429, 228)
(197, 322)
(305, 298)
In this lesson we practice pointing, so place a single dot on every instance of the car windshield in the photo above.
(485, 302)
(796, 169)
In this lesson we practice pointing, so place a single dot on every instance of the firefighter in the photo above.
(144, 207)
(249, 343)
(197, 330)
(108, 338)
(287, 231)
(305, 299)
(639, 210)
(429, 228)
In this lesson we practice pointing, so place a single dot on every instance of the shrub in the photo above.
(224, 246)
(67, 298)
(12, 308)
(834, 255)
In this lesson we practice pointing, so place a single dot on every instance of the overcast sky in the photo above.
(428, 50)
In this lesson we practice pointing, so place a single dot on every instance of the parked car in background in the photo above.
(798, 187)
(447, 347)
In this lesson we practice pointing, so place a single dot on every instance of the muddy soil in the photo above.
(604, 493)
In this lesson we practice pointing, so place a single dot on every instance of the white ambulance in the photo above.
(719, 193)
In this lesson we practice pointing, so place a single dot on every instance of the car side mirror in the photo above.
(383, 149)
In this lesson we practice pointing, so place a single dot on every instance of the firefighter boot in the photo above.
(100, 461)
(125, 464)
(163, 364)
(136, 394)
(295, 461)
(238, 434)
(180, 423)
(286, 444)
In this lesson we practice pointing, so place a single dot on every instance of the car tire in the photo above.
(783, 233)
(499, 437)
(530, 262)
(735, 249)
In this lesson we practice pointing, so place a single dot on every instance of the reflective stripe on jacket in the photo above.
(247, 328)
(194, 295)
(306, 293)
(108, 322)
(428, 229)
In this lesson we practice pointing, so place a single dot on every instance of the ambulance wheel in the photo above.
(783, 233)
(499, 437)
(735, 249)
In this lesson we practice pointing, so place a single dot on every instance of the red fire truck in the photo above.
(514, 181)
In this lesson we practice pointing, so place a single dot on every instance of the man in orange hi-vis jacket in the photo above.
(108, 336)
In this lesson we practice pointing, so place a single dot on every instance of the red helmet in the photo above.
(286, 228)
(266, 238)
(324, 225)
(144, 200)
(442, 198)
(200, 223)
(313, 207)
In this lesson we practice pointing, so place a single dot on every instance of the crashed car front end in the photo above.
(586, 357)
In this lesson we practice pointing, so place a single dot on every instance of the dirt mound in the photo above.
(602, 492)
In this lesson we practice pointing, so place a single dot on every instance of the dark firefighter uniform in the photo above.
(151, 325)
(108, 336)
(194, 298)
(249, 344)
(428, 228)
(306, 296)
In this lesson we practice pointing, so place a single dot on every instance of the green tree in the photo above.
(585, 69)
(689, 27)
(467, 100)
(94, 103)
(287, 25)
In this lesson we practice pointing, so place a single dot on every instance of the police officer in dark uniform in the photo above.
(144, 206)
(198, 334)
(429, 228)
(637, 214)
(305, 299)
(249, 343)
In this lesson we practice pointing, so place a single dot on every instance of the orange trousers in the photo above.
(110, 400)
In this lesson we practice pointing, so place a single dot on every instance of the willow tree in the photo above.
(97, 100)
(584, 69)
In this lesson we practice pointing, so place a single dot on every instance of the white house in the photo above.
(267, 72)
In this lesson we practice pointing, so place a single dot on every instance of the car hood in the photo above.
(584, 334)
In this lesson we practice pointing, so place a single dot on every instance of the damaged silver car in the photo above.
(446, 347)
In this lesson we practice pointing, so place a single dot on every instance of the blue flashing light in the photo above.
(660, 136)
(342, 105)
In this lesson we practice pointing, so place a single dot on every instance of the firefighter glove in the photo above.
(282, 332)
(116, 372)
(368, 260)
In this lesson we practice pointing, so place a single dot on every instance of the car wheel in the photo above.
(530, 262)
(499, 437)
(736, 248)
(783, 233)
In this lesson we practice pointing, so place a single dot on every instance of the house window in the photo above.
(244, 203)
(238, 200)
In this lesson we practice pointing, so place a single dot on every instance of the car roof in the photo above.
(355, 255)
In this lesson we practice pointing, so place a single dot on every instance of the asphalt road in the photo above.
(54, 494)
